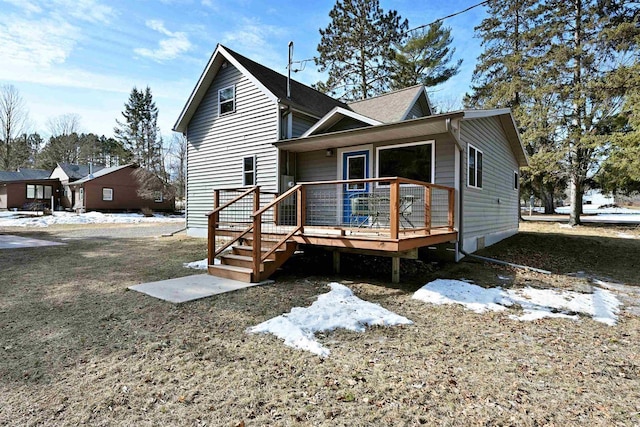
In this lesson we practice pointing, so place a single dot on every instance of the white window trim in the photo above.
(470, 146)
(157, 197)
(409, 144)
(107, 199)
(233, 100)
(244, 172)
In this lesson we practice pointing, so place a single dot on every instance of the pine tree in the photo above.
(581, 60)
(139, 131)
(357, 49)
(424, 58)
(510, 73)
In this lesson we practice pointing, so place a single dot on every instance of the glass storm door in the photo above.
(355, 165)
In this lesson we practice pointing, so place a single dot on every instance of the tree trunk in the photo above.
(577, 192)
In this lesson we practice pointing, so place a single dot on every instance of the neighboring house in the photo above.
(68, 173)
(247, 126)
(114, 189)
(28, 189)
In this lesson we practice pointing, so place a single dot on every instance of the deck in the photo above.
(253, 233)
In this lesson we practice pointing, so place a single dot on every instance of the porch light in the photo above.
(329, 152)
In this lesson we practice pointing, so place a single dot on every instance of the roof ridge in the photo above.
(387, 93)
(233, 52)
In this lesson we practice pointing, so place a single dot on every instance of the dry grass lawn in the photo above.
(78, 348)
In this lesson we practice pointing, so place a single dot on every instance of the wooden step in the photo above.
(248, 251)
(266, 242)
(231, 272)
(241, 261)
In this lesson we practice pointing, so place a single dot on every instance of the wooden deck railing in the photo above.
(393, 206)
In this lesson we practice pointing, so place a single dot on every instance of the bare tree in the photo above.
(64, 125)
(178, 163)
(13, 118)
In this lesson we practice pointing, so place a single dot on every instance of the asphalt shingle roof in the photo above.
(389, 107)
(302, 96)
(24, 175)
(75, 172)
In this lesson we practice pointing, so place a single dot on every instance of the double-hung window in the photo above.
(226, 100)
(107, 194)
(474, 167)
(249, 171)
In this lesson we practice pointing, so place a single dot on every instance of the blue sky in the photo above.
(85, 56)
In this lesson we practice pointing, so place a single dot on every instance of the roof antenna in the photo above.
(289, 69)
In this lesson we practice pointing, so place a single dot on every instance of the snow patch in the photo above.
(602, 305)
(201, 264)
(13, 219)
(339, 308)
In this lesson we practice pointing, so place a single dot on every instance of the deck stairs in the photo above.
(237, 263)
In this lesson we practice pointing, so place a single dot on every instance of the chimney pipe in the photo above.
(289, 70)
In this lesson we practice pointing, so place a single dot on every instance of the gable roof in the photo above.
(392, 106)
(23, 174)
(438, 124)
(74, 171)
(334, 116)
(272, 83)
(99, 173)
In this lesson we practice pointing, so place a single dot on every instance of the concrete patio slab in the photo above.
(8, 241)
(189, 288)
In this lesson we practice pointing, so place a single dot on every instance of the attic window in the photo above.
(227, 100)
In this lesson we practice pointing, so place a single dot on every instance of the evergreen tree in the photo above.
(357, 49)
(581, 60)
(138, 133)
(424, 58)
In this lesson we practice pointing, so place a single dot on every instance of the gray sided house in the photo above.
(319, 165)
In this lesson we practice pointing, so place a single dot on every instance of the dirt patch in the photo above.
(78, 348)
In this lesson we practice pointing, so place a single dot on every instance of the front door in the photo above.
(355, 165)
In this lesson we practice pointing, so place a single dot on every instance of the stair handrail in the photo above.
(226, 205)
(212, 223)
(258, 257)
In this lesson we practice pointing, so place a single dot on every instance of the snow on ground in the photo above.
(13, 219)
(595, 209)
(601, 305)
(201, 264)
(338, 308)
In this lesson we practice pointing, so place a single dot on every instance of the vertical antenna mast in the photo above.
(289, 69)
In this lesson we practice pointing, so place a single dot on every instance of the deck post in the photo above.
(301, 207)
(427, 209)
(394, 209)
(451, 208)
(212, 223)
(256, 251)
(336, 262)
(395, 269)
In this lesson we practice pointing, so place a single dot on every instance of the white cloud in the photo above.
(86, 10)
(250, 39)
(38, 43)
(26, 5)
(169, 48)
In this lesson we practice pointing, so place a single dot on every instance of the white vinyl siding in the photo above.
(301, 124)
(493, 211)
(217, 144)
